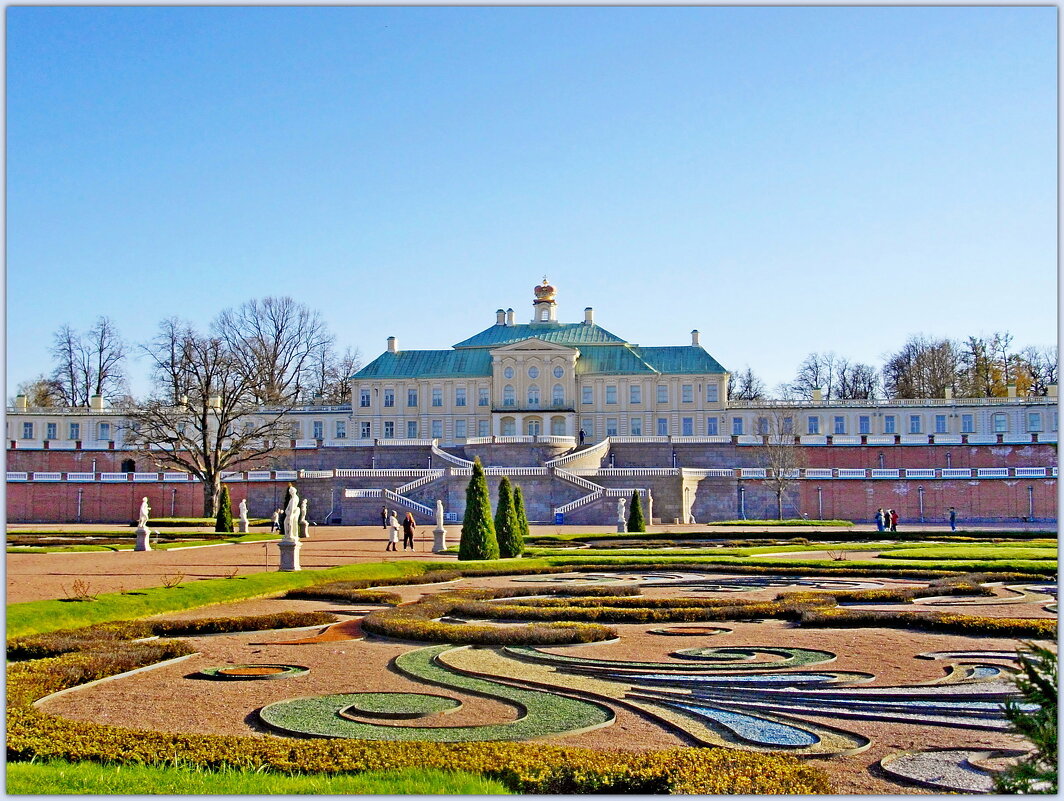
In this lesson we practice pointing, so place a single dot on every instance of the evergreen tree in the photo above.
(224, 521)
(1035, 717)
(507, 525)
(635, 515)
(522, 517)
(478, 529)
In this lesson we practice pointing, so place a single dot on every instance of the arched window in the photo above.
(508, 398)
(533, 395)
(544, 315)
(533, 427)
(558, 395)
(557, 426)
(508, 427)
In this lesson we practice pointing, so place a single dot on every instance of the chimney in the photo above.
(949, 393)
(1011, 389)
(818, 395)
(96, 402)
(391, 345)
(215, 401)
(1051, 391)
(500, 317)
(589, 316)
(509, 316)
(694, 338)
(21, 403)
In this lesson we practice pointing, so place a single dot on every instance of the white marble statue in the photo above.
(244, 511)
(291, 520)
(304, 520)
(145, 510)
(439, 513)
(620, 511)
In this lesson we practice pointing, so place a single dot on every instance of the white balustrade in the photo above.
(233, 475)
(1016, 439)
(409, 503)
(363, 493)
(918, 472)
(752, 472)
(114, 476)
(516, 471)
(81, 476)
(568, 507)
(145, 476)
(813, 439)
(851, 472)
(845, 439)
(302, 444)
(880, 439)
(956, 472)
(597, 449)
(420, 482)
(405, 442)
(982, 439)
(948, 439)
(259, 475)
(1030, 472)
(708, 472)
(176, 477)
(16, 476)
(572, 478)
(712, 439)
(637, 471)
(285, 475)
(61, 445)
(913, 439)
(47, 476)
(819, 473)
(992, 472)
(749, 439)
(447, 457)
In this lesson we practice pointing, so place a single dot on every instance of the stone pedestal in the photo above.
(289, 555)
(439, 540)
(304, 529)
(622, 528)
(143, 539)
(244, 526)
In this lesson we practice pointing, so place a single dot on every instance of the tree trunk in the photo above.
(779, 503)
(211, 490)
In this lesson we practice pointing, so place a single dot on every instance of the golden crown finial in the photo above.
(544, 292)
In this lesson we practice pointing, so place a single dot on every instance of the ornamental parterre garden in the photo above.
(674, 667)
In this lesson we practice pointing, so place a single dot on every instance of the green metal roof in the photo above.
(680, 359)
(428, 364)
(611, 360)
(573, 334)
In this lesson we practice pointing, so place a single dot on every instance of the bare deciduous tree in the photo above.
(780, 454)
(745, 385)
(273, 341)
(817, 371)
(42, 393)
(923, 368)
(89, 364)
(328, 375)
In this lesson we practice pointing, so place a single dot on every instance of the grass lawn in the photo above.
(156, 546)
(81, 778)
(1003, 551)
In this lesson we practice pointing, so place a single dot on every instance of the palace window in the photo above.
(1001, 423)
(411, 397)
(437, 429)
(967, 423)
(509, 427)
(482, 428)
(75, 431)
(389, 429)
(50, 431)
(437, 396)
(460, 429)
(812, 425)
(663, 393)
(389, 397)
(585, 395)
(711, 426)
(508, 397)
(363, 397)
(788, 425)
(558, 395)
(559, 371)
(459, 396)
(663, 427)
(482, 396)
(636, 426)
(557, 426)
(864, 424)
(611, 426)
(840, 425)
(533, 395)
(411, 429)
(762, 426)
(341, 429)
(890, 424)
(687, 427)
(319, 429)
(611, 393)
(533, 372)
(364, 430)
(27, 430)
(1034, 421)
(687, 393)
(737, 426)
(940, 424)
(635, 394)
(914, 424)
(712, 392)
(105, 431)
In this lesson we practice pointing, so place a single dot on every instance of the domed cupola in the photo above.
(545, 308)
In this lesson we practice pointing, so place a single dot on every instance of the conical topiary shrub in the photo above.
(635, 515)
(507, 526)
(522, 518)
(224, 521)
(478, 529)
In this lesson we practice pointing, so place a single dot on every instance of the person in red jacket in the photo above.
(893, 520)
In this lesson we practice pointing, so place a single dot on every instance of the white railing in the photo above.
(363, 493)
(992, 472)
(634, 471)
(982, 439)
(813, 439)
(845, 439)
(956, 472)
(883, 403)
(819, 472)
(32, 444)
(572, 478)
(752, 472)
(711, 439)
(707, 472)
(145, 476)
(584, 501)
(114, 477)
(792, 473)
(285, 475)
(555, 439)
(81, 476)
(449, 457)
(47, 476)
(405, 442)
(947, 439)
(259, 475)
(880, 439)
(315, 473)
(851, 472)
(598, 449)
(918, 472)
(420, 482)
(407, 502)
(338, 443)
(232, 475)
(478, 440)
(630, 440)
(749, 439)
(625, 493)
(1016, 439)
(176, 477)
(306, 443)
(512, 439)
(462, 471)
(1048, 436)
(61, 445)
(913, 439)
(18, 477)
(1029, 472)
(381, 472)
(516, 471)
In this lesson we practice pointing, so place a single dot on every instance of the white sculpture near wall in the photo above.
(622, 524)
(304, 523)
(291, 520)
(143, 532)
(145, 510)
(245, 524)
(439, 538)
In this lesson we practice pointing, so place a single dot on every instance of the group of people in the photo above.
(391, 524)
(886, 520)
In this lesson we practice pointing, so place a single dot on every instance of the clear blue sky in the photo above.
(783, 179)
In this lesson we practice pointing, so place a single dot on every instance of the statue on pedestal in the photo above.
(304, 523)
(245, 524)
(439, 538)
(622, 524)
(145, 510)
(291, 520)
(143, 532)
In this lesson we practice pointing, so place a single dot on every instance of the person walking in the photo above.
(275, 520)
(952, 519)
(581, 437)
(893, 520)
(408, 531)
(384, 517)
(879, 519)
(393, 532)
